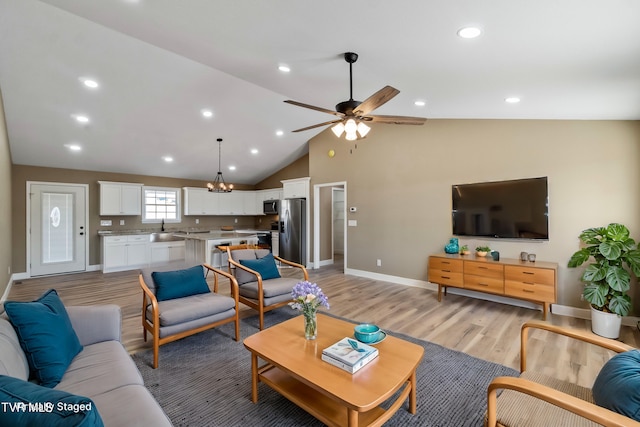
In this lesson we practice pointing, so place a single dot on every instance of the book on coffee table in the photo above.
(349, 354)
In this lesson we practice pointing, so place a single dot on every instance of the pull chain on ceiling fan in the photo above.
(353, 113)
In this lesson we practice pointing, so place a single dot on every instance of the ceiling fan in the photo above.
(353, 114)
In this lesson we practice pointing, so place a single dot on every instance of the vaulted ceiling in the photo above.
(160, 63)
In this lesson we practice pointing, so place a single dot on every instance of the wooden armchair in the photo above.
(535, 399)
(169, 320)
(262, 293)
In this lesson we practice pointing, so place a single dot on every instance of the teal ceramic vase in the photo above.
(452, 247)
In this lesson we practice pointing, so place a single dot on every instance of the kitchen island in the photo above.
(201, 247)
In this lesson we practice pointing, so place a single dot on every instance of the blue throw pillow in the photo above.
(46, 336)
(180, 283)
(266, 266)
(28, 404)
(617, 386)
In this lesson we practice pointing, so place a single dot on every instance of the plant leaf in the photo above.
(594, 273)
(618, 278)
(632, 258)
(620, 304)
(596, 294)
(611, 250)
(592, 236)
(579, 258)
(617, 232)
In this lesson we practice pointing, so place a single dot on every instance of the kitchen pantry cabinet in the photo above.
(120, 198)
(296, 188)
(121, 253)
(531, 281)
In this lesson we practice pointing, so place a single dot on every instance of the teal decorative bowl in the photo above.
(366, 332)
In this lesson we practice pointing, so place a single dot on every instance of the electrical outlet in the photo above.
(9, 270)
(379, 263)
(105, 223)
(235, 220)
(122, 222)
(197, 221)
(581, 297)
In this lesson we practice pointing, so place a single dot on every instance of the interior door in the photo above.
(57, 228)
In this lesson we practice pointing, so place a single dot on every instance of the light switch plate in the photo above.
(122, 222)
(353, 223)
(105, 223)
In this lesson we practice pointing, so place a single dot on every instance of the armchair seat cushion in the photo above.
(518, 409)
(270, 288)
(182, 310)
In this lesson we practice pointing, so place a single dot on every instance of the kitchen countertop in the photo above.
(203, 234)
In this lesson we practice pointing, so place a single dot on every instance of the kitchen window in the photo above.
(161, 204)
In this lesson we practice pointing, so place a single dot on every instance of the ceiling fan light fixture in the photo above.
(350, 126)
(363, 129)
(350, 136)
(338, 129)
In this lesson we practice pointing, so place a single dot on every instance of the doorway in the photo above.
(329, 225)
(56, 228)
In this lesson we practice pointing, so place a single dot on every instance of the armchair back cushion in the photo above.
(179, 283)
(240, 255)
(266, 266)
(617, 386)
(46, 336)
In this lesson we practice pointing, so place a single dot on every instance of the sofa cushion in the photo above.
(46, 336)
(48, 407)
(266, 266)
(13, 362)
(617, 386)
(179, 283)
(132, 406)
(176, 311)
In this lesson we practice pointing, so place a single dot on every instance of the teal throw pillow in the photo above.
(46, 336)
(180, 283)
(617, 386)
(266, 266)
(28, 404)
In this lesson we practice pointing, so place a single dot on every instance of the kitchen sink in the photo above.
(164, 237)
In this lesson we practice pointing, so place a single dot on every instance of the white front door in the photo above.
(57, 228)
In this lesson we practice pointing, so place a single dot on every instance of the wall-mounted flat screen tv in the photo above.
(516, 209)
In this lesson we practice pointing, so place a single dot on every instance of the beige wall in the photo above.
(6, 248)
(21, 174)
(297, 169)
(400, 178)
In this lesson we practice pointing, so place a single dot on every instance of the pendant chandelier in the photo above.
(218, 185)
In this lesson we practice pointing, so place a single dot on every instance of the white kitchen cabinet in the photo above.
(162, 252)
(120, 198)
(200, 201)
(296, 188)
(249, 203)
(121, 253)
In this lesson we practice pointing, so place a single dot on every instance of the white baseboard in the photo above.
(561, 310)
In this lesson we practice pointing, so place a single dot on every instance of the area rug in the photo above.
(205, 380)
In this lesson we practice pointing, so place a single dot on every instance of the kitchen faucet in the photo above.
(162, 227)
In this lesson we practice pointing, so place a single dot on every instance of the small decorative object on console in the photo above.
(523, 256)
(495, 255)
(349, 354)
(532, 257)
(307, 297)
(482, 250)
(464, 250)
(452, 246)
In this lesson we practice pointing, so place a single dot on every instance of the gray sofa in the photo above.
(103, 371)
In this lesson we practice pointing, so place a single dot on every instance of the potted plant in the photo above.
(608, 277)
(464, 250)
(482, 250)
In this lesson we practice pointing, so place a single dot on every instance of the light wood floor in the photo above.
(482, 329)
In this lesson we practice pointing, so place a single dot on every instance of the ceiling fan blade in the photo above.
(318, 125)
(313, 107)
(396, 120)
(376, 100)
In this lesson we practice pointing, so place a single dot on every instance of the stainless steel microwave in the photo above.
(270, 207)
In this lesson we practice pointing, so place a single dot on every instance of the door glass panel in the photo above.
(57, 227)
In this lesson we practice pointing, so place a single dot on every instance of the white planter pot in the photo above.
(605, 324)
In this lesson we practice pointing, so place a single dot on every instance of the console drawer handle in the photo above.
(445, 277)
(528, 290)
(483, 284)
(529, 283)
(527, 272)
(447, 271)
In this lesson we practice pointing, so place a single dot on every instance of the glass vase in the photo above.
(310, 325)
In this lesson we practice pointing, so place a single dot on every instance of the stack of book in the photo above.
(349, 354)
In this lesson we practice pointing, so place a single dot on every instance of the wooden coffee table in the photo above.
(294, 368)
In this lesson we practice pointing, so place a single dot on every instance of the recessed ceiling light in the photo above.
(207, 113)
(73, 147)
(168, 159)
(90, 83)
(420, 103)
(469, 32)
(80, 118)
(512, 100)
(279, 133)
(284, 68)
(254, 151)
(232, 168)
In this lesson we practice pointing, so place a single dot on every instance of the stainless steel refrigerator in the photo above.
(293, 230)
